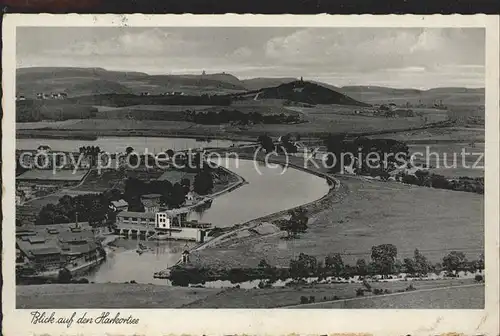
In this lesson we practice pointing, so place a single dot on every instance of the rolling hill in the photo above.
(85, 81)
(308, 92)
(97, 81)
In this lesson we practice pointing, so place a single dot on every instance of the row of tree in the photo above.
(92, 208)
(383, 262)
(234, 116)
(297, 223)
(172, 195)
(286, 143)
(122, 100)
(424, 178)
(371, 154)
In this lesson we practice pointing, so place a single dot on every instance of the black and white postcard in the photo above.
(210, 175)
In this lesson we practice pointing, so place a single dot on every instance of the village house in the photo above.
(151, 202)
(46, 249)
(120, 205)
(42, 95)
(190, 198)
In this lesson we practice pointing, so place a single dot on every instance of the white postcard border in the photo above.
(261, 321)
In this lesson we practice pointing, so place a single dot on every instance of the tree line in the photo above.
(389, 152)
(91, 208)
(226, 116)
(426, 179)
(383, 262)
(122, 100)
(172, 195)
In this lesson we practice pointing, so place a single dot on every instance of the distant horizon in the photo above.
(258, 77)
(420, 58)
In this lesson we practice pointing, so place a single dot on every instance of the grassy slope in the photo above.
(153, 296)
(470, 297)
(280, 297)
(106, 296)
(369, 214)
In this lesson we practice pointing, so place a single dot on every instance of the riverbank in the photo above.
(311, 208)
(244, 231)
(361, 214)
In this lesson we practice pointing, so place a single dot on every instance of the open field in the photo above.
(39, 203)
(154, 296)
(119, 124)
(365, 214)
(106, 296)
(45, 124)
(447, 159)
(108, 179)
(383, 95)
(50, 175)
(319, 120)
(289, 296)
(458, 297)
(437, 135)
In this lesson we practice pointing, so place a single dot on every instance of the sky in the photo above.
(396, 57)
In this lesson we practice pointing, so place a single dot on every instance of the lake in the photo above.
(269, 190)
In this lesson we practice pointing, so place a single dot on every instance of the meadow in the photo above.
(470, 297)
(119, 296)
(366, 213)
(290, 296)
(156, 296)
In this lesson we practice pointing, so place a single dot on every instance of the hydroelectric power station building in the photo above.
(161, 225)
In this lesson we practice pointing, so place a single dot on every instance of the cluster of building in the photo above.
(386, 110)
(157, 222)
(26, 191)
(43, 251)
(54, 95)
(45, 96)
(171, 93)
